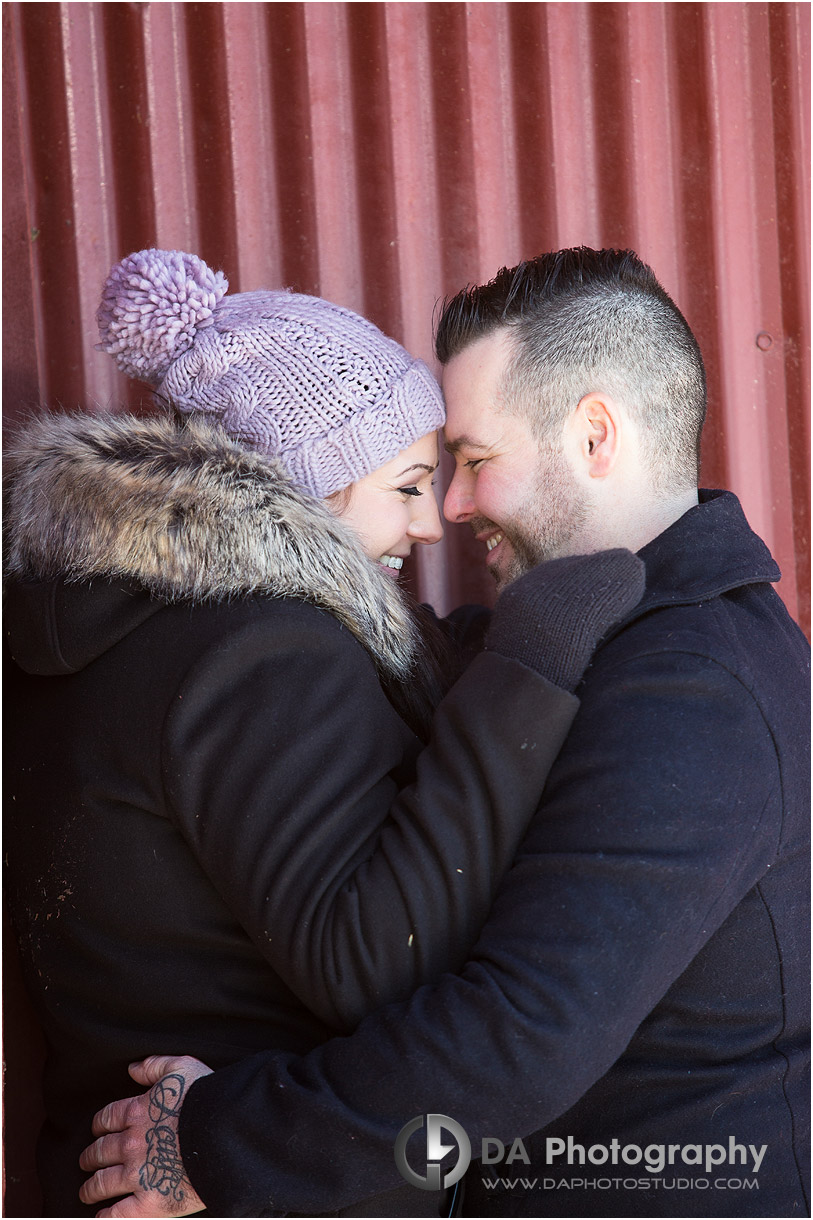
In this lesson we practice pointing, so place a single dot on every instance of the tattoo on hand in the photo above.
(163, 1169)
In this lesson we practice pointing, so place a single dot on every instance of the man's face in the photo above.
(521, 499)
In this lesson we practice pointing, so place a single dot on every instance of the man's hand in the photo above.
(138, 1150)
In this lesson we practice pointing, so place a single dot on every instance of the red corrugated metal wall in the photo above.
(384, 155)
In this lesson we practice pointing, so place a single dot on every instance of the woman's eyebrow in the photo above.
(417, 466)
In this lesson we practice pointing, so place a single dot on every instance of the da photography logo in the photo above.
(436, 1150)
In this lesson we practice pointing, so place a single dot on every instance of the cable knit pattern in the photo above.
(292, 376)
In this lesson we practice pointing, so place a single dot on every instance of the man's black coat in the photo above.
(644, 974)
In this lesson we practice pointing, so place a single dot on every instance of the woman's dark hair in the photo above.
(439, 663)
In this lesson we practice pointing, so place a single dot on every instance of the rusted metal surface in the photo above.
(384, 155)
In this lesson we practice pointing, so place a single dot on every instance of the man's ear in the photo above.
(596, 425)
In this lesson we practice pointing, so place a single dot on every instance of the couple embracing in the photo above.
(335, 862)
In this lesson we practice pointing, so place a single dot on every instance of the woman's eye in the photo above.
(410, 491)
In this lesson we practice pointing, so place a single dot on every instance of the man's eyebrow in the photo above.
(463, 442)
(417, 466)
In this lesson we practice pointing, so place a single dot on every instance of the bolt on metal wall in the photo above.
(384, 155)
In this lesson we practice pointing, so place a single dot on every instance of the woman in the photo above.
(225, 835)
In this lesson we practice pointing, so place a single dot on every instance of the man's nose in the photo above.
(426, 525)
(458, 505)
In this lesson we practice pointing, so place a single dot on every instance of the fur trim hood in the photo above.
(189, 514)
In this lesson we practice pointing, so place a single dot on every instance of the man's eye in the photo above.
(474, 463)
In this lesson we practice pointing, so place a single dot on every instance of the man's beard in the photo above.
(547, 522)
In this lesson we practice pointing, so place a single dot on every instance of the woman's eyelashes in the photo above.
(413, 490)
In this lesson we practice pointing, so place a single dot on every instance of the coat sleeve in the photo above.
(650, 833)
(281, 758)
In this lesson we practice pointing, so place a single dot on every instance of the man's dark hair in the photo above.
(591, 320)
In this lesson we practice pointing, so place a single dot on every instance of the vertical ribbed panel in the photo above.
(384, 155)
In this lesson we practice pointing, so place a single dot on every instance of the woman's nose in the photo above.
(426, 526)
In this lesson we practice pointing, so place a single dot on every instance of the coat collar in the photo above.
(180, 511)
(708, 551)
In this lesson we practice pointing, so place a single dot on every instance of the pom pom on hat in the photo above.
(153, 304)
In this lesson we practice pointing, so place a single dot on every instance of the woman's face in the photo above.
(394, 507)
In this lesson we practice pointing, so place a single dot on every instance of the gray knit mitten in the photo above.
(552, 618)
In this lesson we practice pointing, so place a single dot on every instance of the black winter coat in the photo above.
(221, 836)
(643, 978)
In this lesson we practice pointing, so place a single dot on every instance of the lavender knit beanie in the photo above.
(292, 376)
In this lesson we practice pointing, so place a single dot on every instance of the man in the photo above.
(638, 995)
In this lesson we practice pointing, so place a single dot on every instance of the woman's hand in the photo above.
(552, 618)
(137, 1149)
